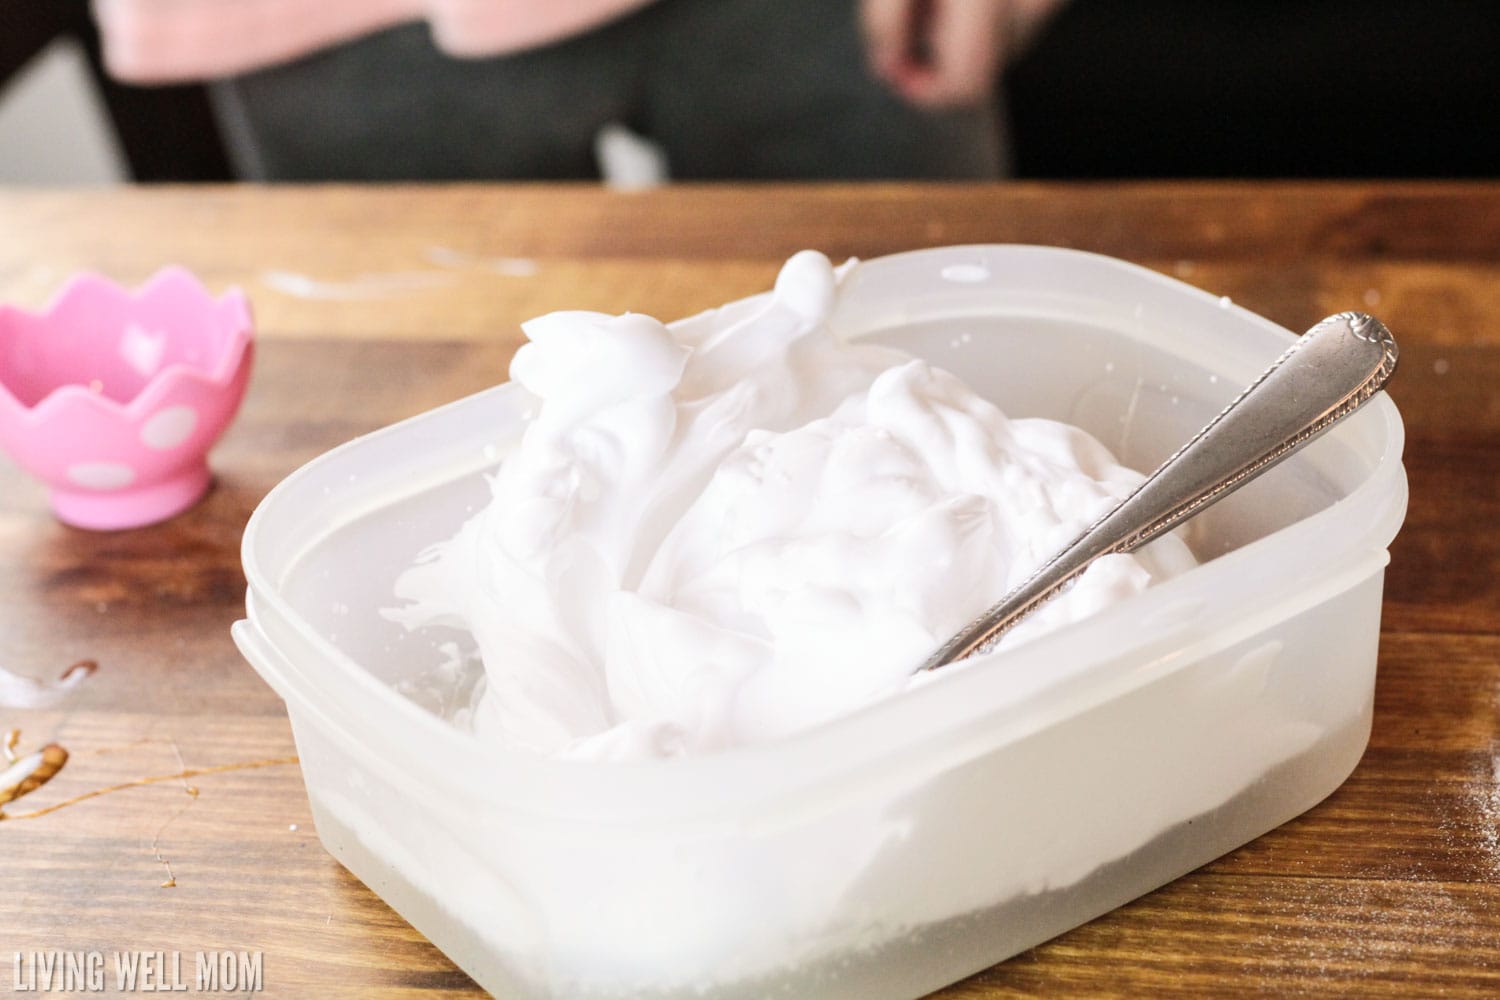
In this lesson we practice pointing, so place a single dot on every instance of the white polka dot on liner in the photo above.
(101, 475)
(169, 428)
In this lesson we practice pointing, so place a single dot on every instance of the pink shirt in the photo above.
(158, 41)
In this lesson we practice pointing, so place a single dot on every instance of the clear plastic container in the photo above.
(927, 836)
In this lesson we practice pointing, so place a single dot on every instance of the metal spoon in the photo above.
(1321, 379)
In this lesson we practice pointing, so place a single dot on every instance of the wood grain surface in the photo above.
(375, 304)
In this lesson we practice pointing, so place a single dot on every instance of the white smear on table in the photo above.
(361, 286)
(26, 692)
(511, 267)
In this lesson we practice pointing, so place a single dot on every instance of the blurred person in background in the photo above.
(508, 89)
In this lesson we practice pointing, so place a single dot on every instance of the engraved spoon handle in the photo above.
(1322, 378)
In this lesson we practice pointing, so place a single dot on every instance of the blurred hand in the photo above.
(946, 53)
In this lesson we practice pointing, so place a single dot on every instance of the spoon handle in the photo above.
(1322, 378)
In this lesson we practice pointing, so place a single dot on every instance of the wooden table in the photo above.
(376, 304)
